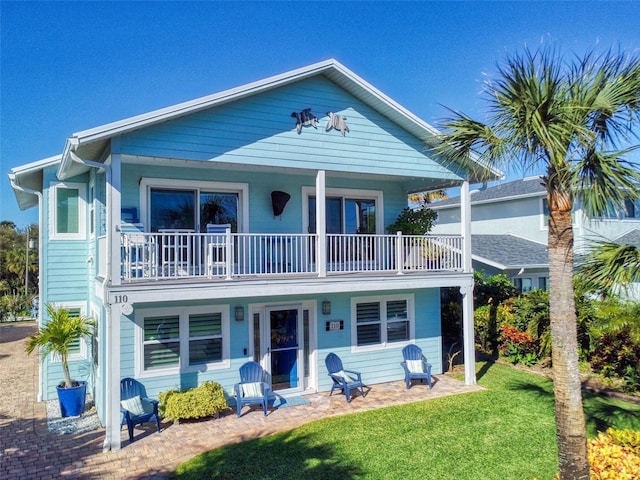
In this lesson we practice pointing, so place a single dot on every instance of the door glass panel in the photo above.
(172, 209)
(283, 326)
(360, 216)
(219, 209)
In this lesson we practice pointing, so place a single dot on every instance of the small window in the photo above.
(382, 322)
(161, 342)
(545, 214)
(68, 207)
(92, 215)
(78, 348)
(542, 283)
(368, 323)
(205, 338)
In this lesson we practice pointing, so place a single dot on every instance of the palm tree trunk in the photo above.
(570, 422)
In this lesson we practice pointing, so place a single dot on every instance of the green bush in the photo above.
(207, 400)
(414, 222)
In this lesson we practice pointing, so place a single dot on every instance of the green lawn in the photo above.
(506, 432)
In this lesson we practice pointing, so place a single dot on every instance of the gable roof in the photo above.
(90, 145)
(508, 252)
(526, 187)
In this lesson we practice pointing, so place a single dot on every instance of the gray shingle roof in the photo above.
(518, 188)
(509, 251)
(630, 238)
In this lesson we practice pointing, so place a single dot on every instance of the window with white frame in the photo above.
(77, 348)
(347, 210)
(380, 321)
(68, 211)
(173, 340)
(191, 205)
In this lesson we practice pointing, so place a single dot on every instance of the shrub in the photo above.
(207, 400)
(414, 222)
(518, 346)
(616, 355)
(615, 455)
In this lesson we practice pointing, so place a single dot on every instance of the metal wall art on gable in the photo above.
(339, 122)
(305, 119)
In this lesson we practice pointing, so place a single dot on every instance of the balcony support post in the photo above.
(465, 225)
(321, 224)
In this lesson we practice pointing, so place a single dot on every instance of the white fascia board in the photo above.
(486, 261)
(256, 289)
(36, 166)
(191, 106)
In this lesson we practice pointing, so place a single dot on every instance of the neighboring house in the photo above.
(239, 226)
(509, 226)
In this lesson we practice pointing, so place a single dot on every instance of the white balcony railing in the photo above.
(184, 254)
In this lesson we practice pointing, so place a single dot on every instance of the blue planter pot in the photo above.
(72, 399)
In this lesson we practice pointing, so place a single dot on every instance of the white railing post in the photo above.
(229, 253)
(399, 253)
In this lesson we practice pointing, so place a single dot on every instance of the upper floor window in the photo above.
(192, 205)
(380, 321)
(347, 211)
(68, 208)
(545, 213)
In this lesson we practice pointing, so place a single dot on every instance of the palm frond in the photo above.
(603, 181)
(610, 266)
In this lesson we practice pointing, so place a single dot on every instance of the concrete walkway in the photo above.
(30, 451)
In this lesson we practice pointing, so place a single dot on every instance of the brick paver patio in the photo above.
(30, 451)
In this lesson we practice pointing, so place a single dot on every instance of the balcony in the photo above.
(182, 254)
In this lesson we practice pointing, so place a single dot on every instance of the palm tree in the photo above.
(58, 335)
(570, 120)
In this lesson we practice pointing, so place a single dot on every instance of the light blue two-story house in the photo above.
(247, 225)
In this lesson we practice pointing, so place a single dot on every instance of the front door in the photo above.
(285, 348)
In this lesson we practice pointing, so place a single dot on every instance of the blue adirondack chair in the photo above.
(415, 365)
(345, 380)
(135, 407)
(252, 388)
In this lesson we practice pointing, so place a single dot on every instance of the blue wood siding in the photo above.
(260, 131)
(377, 366)
(261, 185)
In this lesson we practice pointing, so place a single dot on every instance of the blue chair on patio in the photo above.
(345, 380)
(135, 407)
(415, 365)
(252, 388)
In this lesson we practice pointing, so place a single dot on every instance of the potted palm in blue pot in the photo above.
(56, 337)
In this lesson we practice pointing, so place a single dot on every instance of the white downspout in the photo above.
(112, 340)
(15, 186)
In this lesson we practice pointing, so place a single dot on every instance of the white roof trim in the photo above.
(180, 109)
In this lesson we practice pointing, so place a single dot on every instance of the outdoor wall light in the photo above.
(326, 307)
(239, 313)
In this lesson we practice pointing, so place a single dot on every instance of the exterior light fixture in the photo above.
(239, 313)
(326, 307)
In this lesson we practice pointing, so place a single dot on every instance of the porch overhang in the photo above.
(180, 291)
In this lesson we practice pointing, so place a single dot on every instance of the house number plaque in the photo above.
(335, 325)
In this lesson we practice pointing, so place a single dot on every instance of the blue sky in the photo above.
(70, 66)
